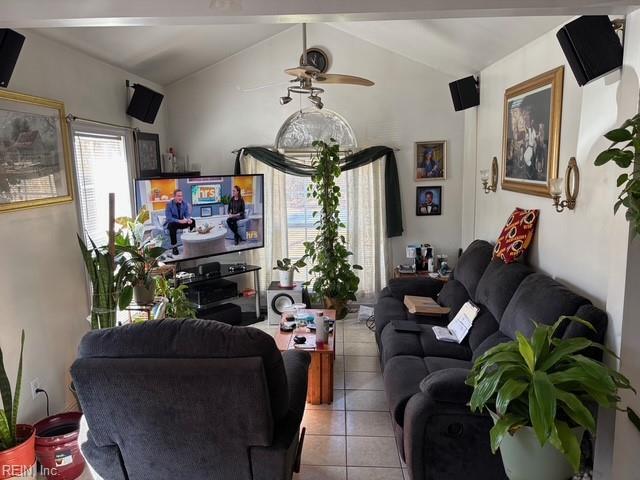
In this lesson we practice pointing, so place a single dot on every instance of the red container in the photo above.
(57, 446)
(17, 461)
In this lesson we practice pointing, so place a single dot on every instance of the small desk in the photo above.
(320, 383)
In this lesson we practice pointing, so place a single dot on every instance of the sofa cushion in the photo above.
(453, 295)
(498, 284)
(484, 325)
(541, 299)
(472, 264)
(386, 310)
(435, 364)
(402, 377)
(491, 341)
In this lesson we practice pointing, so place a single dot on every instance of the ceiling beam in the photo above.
(84, 13)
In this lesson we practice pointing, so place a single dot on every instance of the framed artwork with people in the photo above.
(531, 133)
(431, 160)
(428, 201)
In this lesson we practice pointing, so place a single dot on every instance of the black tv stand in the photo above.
(211, 272)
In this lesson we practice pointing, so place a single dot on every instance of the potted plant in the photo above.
(287, 269)
(225, 200)
(335, 280)
(178, 305)
(539, 392)
(625, 151)
(17, 441)
(137, 256)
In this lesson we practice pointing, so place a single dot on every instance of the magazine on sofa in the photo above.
(458, 328)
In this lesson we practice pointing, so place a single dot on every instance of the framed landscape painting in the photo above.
(431, 159)
(35, 160)
(531, 133)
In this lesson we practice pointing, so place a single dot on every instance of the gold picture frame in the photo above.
(437, 152)
(35, 154)
(531, 133)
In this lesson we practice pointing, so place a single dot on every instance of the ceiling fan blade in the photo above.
(303, 71)
(342, 79)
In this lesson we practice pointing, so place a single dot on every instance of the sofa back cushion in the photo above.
(498, 284)
(541, 299)
(472, 264)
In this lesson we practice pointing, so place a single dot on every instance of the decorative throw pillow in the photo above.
(516, 235)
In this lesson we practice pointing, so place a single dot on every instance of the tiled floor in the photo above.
(351, 439)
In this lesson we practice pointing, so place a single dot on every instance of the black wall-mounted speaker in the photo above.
(144, 104)
(10, 46)
(465, 93)
(591, 46)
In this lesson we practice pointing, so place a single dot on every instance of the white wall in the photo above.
(42, 284)
(209, 116)
(586, 248)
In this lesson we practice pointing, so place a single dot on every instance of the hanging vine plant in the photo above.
(625, 151)
(335, 280)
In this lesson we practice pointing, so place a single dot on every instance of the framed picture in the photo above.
(35, 159)
(149, 159)
(428, 201)
(531, 133)
(431, 160)
(206, 212)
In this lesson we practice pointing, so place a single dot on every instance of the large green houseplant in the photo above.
(17, 442)
(334, 278)
(540, 392)
(625, 152)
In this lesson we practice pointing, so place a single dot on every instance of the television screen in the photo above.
(198, 217)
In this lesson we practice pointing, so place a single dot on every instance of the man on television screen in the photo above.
(178, 217)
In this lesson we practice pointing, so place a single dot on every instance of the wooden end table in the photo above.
(418, 273)
(320, 383)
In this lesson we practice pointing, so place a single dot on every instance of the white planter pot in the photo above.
(286, 278)
(524, 459)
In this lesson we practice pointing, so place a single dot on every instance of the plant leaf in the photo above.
(566, 348)
(526, 350)
(619, 135)
(622, 179)
(606, 156)
(16, 395)
(575, 409)
(503, 425)
(633, 417)
(5, 435)
(542, 406)
(569, 444)
(511, 389)
(6, 393)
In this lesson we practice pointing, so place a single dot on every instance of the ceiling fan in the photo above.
(306, 75)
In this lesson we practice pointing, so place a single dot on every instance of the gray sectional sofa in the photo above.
(438, 436)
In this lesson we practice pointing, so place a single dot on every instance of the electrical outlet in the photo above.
(35, 384)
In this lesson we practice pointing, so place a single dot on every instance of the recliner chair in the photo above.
(193, 399)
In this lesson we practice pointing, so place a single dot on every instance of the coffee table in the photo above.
(320, 383)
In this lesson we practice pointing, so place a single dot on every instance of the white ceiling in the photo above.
(165, 54)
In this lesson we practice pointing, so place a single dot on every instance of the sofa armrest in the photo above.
(105, 463)
(448, 385)
(296, 365)
(418, 286)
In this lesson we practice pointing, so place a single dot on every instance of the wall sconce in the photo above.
(484, 176)
(571, 187)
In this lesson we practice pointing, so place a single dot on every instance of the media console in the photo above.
(208, 287)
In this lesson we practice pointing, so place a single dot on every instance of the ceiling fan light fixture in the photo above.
(284, 100)
(316, 100)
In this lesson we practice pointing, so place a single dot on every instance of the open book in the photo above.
(458, 328)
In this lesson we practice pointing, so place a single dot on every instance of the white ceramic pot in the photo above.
(286, 278)
(525, 459)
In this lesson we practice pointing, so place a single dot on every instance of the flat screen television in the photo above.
(202, 199)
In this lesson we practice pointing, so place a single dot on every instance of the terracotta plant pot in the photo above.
(337, 304)
(18, 461)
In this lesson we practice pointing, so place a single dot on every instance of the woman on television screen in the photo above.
(236, 212)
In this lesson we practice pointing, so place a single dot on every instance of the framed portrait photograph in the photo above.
(206, 211)
(148, 155)
(531, 133)
(431, 160)
(35, 158)
(428, 201)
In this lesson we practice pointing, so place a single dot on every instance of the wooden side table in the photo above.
(320, 382)
(419, 273)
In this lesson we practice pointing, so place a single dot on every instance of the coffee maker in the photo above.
(425, 257)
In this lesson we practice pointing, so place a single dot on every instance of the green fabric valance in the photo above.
(363, 157)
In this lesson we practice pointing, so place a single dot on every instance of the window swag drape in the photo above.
(363, 157)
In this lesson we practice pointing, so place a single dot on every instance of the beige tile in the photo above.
(370, 400)
(361, 348)
(369, 424)
(338, 402)
(324, 422)
(339, 348)
(338, 363)
(363, 381)
(324, 450)
(357, 363)
(372, 452)
(358, 335)
(338, 379)
(311, 472)
(374, 473)
(406, 473)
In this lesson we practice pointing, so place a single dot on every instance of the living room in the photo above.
(220, 69)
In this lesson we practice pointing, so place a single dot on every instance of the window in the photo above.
(102, 167)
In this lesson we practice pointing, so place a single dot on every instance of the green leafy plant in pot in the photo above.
(287, 268)
(17, 441)
(540, 392)
(137, 256)
(178, 305)
(225, 200)
(335, 280)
